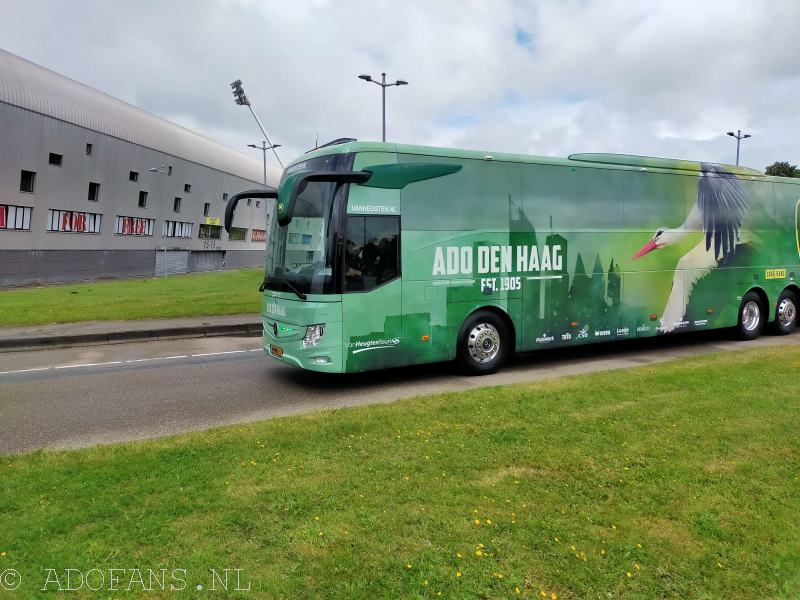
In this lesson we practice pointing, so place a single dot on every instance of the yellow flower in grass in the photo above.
(629, 574)
(458, 554)
(478, 553)
(458, 573)
(477, 521)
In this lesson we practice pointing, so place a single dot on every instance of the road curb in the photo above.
(132, 335)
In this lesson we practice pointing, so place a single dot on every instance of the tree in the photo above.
(783, 169)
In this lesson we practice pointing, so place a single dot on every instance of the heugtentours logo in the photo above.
(364, 346)
(275, 309)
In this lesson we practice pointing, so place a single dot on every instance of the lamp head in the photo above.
(239, 97)
(400, 82)
(730, 133)
(747, 135)
(365, 77)
(252, 146)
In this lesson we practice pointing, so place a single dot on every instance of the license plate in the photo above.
(276, 350)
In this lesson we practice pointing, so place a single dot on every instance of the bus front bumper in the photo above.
(325, 356)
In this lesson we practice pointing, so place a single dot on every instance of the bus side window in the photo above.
(371, 252)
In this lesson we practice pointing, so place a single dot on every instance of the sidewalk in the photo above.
(109, 332)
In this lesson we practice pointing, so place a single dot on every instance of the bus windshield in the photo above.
(302, 254)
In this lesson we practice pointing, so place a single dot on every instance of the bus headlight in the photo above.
(313, 335)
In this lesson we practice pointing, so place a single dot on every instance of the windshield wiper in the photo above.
(285, 282)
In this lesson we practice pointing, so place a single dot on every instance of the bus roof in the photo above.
(618, 161)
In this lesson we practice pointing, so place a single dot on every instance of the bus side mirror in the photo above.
(398, 176)
(230, 207)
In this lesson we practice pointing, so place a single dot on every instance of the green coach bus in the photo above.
(384, 255)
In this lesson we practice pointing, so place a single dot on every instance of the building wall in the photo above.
(26, 142)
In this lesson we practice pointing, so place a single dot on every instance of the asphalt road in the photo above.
(75, 397)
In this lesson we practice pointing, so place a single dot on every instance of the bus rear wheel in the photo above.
(751, 317)
(786, 313)
(484, 343)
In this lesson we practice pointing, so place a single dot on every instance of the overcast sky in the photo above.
(554, 77)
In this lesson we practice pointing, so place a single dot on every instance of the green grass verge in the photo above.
(677, 480)
(200, 294)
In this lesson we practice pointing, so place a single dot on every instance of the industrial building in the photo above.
(92, 187)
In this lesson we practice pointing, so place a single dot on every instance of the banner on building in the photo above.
(73, 221)
(134, 226)
(258, 235)
(15, 217)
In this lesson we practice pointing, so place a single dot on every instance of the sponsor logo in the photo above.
(623, 331)
(602, 333)
(276, 309)
(366, 345)
(545, 339)
(366, 208)
(566, 337)
(642, 328)
(701, 322)
(775, 274)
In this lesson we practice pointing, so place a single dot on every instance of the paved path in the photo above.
(74, 397)
(35, 337)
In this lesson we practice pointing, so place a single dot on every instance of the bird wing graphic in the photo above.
(723, 204)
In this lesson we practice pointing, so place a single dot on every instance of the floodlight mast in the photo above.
(240, 98)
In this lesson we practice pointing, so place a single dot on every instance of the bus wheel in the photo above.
(751, 317)
(786, 313)
(484, 343)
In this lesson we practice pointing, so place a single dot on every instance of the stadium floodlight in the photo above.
(241, 99)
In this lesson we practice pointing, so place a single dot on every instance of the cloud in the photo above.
(551, 77)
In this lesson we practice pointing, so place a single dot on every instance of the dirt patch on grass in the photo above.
(670, 531)
(514, 472)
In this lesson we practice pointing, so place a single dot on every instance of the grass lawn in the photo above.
(199, 294)
(676, 480)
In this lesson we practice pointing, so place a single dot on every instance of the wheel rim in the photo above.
(483, 343)
(787, 312)
(751, 315)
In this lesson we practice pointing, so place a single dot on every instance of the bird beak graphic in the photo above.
(648, 247)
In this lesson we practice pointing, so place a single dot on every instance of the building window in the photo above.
(94, 191)
(15, 217)
(177, 229)
(258, 235)
(176, 205)
(56, 159)
(26, 181)
(209, 232)
(258, 203)
(249, 201)
(134, 226)
(73, 222)
(133, 176)
(224, 196)
(142, 199)
(169, 170)
(206, 208)
(237, 234)
(187, 187)
(89, 149)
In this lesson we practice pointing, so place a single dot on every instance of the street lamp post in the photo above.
(240, 98)
(162, 171)
(383, 85)
(739, 137)
(263, 147)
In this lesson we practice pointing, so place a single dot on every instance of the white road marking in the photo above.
(128, 361)
(102, 364)
(24, 370)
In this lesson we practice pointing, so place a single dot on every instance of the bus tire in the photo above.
(752, 314)
(484, 343)
(786, 313)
